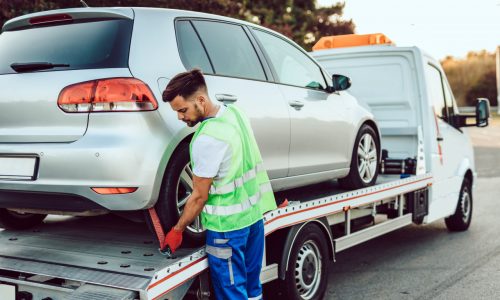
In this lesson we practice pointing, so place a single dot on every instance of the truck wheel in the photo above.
(307, 274)
(364, 161)
(460, 220)
(13, 220)
(176, 188)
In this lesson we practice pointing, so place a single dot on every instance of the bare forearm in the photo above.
(194, 206)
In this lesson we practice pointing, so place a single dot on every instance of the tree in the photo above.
(467, 76)
(300, 20)
(486, 87)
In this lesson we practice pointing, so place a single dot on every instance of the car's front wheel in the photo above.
(365, 160)
(10, 219)
(175, 190)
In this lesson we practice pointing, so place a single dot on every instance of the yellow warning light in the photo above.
(351, 40)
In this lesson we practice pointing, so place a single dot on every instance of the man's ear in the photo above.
(201, 99)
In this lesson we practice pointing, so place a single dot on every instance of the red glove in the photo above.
(173, 239)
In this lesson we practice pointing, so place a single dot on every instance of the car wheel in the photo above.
(461, 219)
(176, 188)
(307, 273)
(364, 161)
(10, 219)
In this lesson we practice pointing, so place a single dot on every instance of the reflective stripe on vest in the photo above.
(238, 182)
(240, 207)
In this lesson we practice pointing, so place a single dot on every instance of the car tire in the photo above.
(461, 219)
(307, 273)
(177, 186)
(364, 165)
(18, 221)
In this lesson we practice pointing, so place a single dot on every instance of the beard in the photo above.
(198, 118)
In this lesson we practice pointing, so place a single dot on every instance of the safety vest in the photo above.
(240, 198)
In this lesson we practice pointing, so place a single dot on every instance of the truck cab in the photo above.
(409, 94)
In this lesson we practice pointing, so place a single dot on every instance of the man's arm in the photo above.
(195, 203)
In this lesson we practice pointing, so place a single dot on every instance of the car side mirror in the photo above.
(482, 112)
(340, 83)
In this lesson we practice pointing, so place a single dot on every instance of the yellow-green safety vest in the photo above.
(244, 194)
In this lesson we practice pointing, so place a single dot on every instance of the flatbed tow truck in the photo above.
(99, 258)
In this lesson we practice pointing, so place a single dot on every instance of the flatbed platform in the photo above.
(119, 255)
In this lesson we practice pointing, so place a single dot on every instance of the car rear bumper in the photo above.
(118, 150)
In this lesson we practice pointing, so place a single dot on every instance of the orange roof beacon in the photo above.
(351, 40)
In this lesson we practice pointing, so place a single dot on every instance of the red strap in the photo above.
(157, 226)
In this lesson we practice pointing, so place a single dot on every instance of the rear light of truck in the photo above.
(107, 95)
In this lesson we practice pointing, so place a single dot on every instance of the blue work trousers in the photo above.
(235, 261)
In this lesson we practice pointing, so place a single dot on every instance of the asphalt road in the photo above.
(428, 262)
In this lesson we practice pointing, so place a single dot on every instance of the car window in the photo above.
(230, 50)
(435, 85)
(86, 45)
(291, 65)
(192, 51)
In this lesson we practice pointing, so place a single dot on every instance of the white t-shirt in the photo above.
(211, 157)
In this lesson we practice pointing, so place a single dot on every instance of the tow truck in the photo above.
(110, 258)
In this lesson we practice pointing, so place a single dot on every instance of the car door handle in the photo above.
(226, 98)
(296, 104)
(439, 139)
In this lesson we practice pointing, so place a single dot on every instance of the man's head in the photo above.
(188, 95)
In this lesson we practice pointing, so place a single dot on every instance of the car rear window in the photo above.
(84, 45)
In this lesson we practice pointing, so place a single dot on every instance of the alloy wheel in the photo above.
(367, 158)
(184, 190)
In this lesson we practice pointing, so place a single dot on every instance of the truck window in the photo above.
(436, 91)
(292, 66)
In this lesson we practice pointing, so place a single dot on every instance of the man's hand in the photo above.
(195, 203)
(173, 239)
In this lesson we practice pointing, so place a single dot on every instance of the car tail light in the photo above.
(114, 190)
(107, 95)
(50, 19)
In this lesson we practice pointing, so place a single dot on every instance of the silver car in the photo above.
(83, 129)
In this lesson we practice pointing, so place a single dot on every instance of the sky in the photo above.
(440, 27)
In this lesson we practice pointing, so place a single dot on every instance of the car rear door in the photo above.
(235, 74)
(321, 131)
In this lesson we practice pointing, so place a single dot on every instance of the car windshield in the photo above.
(84, 45)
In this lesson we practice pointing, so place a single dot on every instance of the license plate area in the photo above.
(18, 167)
(8, 291)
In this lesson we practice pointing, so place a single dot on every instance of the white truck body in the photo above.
(405, 88)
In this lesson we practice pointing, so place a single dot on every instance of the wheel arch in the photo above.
(165, 162)
(292, 235)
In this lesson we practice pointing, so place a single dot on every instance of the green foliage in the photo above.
(300, 20)
(472, 77)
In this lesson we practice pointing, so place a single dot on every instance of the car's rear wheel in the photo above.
(365, 160)
(10, 219)
(176, 188)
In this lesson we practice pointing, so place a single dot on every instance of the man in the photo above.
(231, 190)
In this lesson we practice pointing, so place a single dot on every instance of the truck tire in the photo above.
(307, 273)
(461, 219)
(12, 220)
(364, 161)
(175, 189)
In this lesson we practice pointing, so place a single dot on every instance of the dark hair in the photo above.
(184, 84)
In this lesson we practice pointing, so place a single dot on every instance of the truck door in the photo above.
(451, 148)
